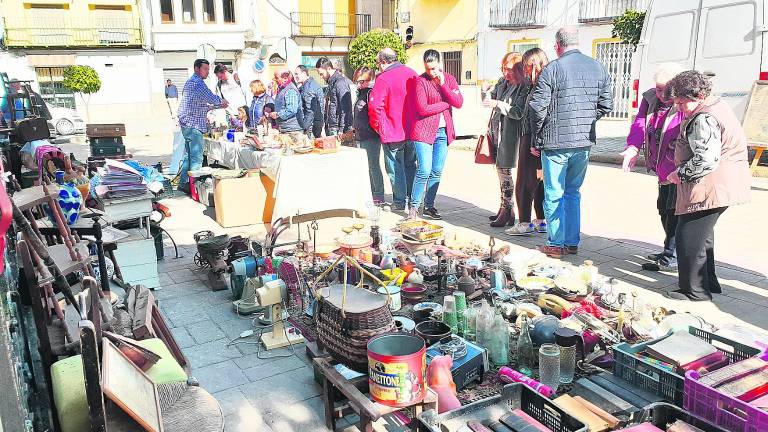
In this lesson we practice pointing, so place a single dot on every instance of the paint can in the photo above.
(397, 367)
(394, 293)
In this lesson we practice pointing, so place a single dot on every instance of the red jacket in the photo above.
(430, 101)
(386, 105)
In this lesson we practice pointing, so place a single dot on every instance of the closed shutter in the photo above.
(177, 76)
(452, 64)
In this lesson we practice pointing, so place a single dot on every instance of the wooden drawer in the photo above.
(128, 208)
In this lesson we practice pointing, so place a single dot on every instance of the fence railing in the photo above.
(38, 33)
(329, 24)
(518, 13)
(592, 11)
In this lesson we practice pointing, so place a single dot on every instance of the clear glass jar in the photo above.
(549, 365)
(567, 363)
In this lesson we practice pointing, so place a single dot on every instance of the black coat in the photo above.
(361, 122)
(339, 115)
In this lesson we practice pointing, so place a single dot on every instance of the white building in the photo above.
(518, 25)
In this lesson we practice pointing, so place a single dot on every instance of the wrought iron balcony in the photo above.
(518, 13)
(597, 11)
(329, 24)
(69, 33)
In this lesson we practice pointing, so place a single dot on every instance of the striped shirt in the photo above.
(196, 100)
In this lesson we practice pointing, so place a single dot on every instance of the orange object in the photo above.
(407, 266)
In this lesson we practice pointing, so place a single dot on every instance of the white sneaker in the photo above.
(541, 225)
(521, 229)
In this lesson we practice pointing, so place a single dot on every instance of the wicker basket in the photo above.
(348, 316)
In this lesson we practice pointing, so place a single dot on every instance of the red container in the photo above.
(397, 369)
(193, 189)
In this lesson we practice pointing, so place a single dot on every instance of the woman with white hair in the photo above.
(654, 130)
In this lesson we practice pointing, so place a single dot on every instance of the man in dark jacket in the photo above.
(572, 93)
(339, 114)
(312, 97)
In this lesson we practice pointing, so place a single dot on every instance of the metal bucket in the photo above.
(397, 369)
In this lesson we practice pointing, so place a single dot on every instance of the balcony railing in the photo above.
(329, 24)
(518, 13)
(596, 11)
(113, 33)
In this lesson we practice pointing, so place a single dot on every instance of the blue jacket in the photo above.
(288, 108)
(572, 93)
(312, 97)
(256, 111)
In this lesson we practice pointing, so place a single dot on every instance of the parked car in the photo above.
(726, 39)
(66, 121)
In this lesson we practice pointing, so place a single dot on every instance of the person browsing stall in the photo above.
(339, 114)
(287, 103)
(312, 97)
(258, 103)
(365, 136)
(229, 88)
(196, 100)
(655, 130)
(435, 95)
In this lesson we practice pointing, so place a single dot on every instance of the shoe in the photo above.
(184, 188)
(505, 218)
(521, 229)
(431, 213)
(380, 202)
(398, 207)
(663, 264)
(552, 251)
(541, 225)
(496, 216)
(654, 257)
(413, 214)
(680, 295)
(571, 250)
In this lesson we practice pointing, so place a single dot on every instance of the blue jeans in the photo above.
(193, 154)
(372, 148)
(431, 159)
(564, 172)
(400, 163)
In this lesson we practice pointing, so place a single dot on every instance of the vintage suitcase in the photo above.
(31, 129)
(105, 130)
(106, 146)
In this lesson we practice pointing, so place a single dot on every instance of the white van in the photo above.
(726, 39)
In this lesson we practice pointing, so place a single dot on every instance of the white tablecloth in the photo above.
(317, 182)
(304, 183)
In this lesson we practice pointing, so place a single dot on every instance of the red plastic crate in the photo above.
(725, 411)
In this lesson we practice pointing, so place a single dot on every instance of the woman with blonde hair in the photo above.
(260, 100)
(507, 99)
(529, 190)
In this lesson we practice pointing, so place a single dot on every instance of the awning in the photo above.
(50, 60)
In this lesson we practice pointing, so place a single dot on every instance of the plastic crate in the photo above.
(661, 414)
(725, 411)
(668, 385)
(512, 397)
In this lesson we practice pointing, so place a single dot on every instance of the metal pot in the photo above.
(432, 331)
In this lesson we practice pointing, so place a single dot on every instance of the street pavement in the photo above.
(619, 225)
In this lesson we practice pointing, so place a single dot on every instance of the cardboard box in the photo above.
(243, 201)
(467, 369)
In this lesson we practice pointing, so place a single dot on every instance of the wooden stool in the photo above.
(356, 400)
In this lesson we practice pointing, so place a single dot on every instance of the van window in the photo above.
(729, 31)
(671, 37)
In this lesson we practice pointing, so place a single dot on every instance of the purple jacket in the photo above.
(658, 158)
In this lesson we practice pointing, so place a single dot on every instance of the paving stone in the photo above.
(274, 368)
(628, 252)
(211, 353)
(232, 401)
(219, 376)
(305, 416)
(631, 272)
(233, 327)
(183, 275)
(246, 419)
(596, 244)
(294, 386)
(182, 337)
(254, 355)
(205, 331)
(173, 290)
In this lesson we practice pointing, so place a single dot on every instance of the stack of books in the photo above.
(681, 352)
(119, 180)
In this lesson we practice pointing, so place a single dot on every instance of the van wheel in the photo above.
(65, 127)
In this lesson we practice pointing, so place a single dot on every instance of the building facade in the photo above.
(518, 25)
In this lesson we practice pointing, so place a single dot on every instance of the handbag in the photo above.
(483, 151)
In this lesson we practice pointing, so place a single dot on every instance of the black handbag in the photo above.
(31, 129)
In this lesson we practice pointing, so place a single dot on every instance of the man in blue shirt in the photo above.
(172, 97)
(196, 100)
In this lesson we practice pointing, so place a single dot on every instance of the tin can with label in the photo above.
(397, 367)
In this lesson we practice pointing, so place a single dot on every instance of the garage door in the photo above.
(177, 76)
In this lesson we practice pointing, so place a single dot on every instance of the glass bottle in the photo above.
(500, 354)
(484, 321)
(525, 352)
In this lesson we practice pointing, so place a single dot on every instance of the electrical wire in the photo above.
(261, 329)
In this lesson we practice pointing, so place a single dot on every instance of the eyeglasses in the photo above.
(361, 82)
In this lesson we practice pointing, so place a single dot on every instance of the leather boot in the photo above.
(505, 218)
(496, 216)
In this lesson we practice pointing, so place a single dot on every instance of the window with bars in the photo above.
(228, 10)
(452, 64)
(51, 89)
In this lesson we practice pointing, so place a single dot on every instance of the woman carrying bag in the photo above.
(508, 100)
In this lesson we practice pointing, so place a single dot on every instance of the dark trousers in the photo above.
(528, 189)
(317, 130)
(696, 253)
(666, 206)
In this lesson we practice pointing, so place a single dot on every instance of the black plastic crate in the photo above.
(512, 397)
(660, 382)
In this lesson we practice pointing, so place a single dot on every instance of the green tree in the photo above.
(629, 26)
(84, 81)
(364, 48)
